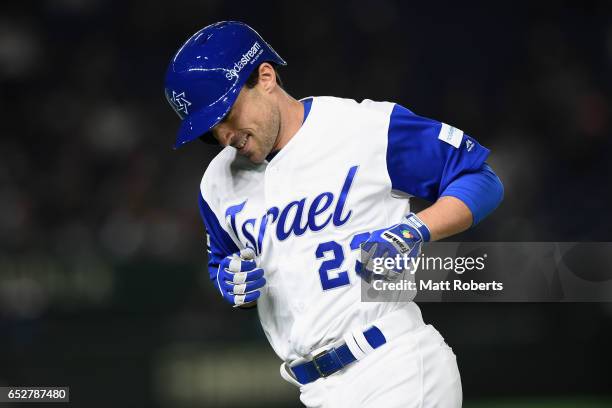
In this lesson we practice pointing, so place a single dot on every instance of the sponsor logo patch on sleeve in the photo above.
(450, 135)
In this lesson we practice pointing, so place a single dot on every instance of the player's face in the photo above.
(252, 125)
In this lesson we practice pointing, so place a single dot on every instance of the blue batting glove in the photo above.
(239, 279)
(405, 240)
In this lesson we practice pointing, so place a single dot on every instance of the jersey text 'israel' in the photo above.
(317, 219)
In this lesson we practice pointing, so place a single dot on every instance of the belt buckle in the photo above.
(316, 365)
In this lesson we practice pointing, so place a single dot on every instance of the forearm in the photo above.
(465, 202)
(447, 216)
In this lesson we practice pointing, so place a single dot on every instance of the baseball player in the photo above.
(298, 189)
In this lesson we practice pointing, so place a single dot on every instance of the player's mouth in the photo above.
(242, 144)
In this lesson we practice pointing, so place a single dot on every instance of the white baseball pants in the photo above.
(416, 369)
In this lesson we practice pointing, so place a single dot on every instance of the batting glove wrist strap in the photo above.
(415, 223)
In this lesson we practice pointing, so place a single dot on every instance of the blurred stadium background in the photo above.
(102, 263)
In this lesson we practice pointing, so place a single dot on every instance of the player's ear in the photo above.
(267, 77)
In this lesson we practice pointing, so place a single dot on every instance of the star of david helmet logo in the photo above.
(180, 103)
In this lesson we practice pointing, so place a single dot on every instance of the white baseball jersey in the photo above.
(350, 169)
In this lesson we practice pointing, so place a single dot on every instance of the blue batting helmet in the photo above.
(207, 73)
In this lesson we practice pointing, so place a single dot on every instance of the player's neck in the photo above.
(291, 117)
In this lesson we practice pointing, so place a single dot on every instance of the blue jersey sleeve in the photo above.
(218, 242)
(424, 156)
(481, 191)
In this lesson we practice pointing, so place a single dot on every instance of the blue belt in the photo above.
(330, 361)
